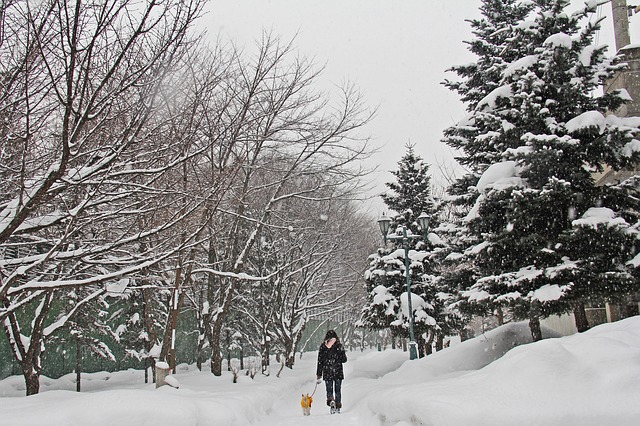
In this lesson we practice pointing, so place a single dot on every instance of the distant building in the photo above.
(629, 80)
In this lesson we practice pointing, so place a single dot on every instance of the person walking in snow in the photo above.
(331, 356)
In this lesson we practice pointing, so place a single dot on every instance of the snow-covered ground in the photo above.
(587, 379)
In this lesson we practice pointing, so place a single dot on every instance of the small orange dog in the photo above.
(306, 404)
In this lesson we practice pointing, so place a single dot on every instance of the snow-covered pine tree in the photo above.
(495, 49)
(542, 132)
(493, 46)
(129, 326)
(385, 283)
(386, 279)
(84, 327)
(411, 190)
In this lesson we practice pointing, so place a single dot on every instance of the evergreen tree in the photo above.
(85, 329)
(493, 46)
(495, 49)
(412, 188)
(534, 141)
(129, 328)
(386, 277)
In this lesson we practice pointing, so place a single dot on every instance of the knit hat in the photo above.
(331, 334)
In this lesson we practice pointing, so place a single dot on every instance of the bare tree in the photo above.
(79, 86)
(284, 141)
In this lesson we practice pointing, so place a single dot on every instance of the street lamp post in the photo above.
(423, 221)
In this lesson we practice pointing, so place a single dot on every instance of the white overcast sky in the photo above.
(395, 51)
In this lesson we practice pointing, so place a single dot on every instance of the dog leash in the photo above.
(314, 389)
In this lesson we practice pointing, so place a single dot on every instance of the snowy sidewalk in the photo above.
(361, 372)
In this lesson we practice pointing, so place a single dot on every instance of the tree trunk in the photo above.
(265, 354)
(429, 343)
(580, 315)
(31, 371)
(29, 358)
(150, 328)
(500, 316)
(534, 326)
(422, 345)
(630, 308)
(216, 355)
(31, 379)
(291, 359)
(227, 289)
(199, 357)
(203, 321)
(78, 364)
(534, 322)
(228, 345)
(167, 353)
(146, 370)
(439, 343)
(280, 371)
(289, 352)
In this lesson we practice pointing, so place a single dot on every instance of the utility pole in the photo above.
(621, 23)
(629, 78)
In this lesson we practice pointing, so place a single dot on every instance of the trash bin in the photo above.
(162, 371)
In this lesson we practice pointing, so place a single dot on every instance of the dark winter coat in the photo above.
(330, 362)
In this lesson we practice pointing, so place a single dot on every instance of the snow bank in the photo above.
(374, 365)
(469, 355)
(584, 379)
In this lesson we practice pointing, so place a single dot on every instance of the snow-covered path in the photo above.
(287, 410)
